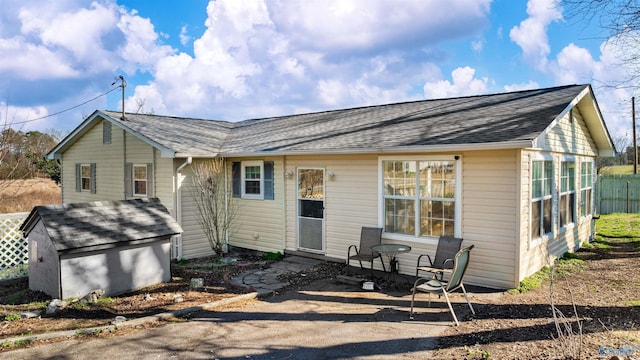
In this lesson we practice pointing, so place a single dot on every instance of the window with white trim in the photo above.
(541, 199)
(567, 192)
(140, 180)
(586, 186)
(420, 196)
(85, 177)
(252, 179)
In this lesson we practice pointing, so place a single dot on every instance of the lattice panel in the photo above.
(14, 257)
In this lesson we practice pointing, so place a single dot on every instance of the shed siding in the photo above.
(44, 269)
(117, 270)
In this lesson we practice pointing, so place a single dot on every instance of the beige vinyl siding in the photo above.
(570, 135)
(350, 199)
(489, 215)
(109, 166)
(535, 256)
(258, 224)
(110, 161)
(489, 210)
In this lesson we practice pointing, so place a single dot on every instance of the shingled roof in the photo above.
(103, 224)
(507, 119)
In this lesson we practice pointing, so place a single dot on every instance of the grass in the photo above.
(617, 170)
(23, 195)
(569, 262)
(616, 226)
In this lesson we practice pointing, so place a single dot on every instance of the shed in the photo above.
(116, 246)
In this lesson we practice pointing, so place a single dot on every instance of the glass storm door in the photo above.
(311, 209)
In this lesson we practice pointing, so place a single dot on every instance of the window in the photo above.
(541, 198)
(86, 177)
(138, 179)
(586, 184)
(420, 197)
(252, 179)
(567, 193)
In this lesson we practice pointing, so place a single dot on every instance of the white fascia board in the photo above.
(564, 112)
(520, 144)
(73, 136)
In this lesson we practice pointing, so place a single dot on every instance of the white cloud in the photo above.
(531, 34)
(463, 84)
(184, 36)
(294, 56)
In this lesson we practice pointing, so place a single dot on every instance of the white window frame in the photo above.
(134, 179)
(553, 196)
(82, 177)
(567, 160)
(457, 226)
(589, 212)
(243, 180)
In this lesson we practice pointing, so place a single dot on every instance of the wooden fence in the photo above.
(14, 259)
(618, 194)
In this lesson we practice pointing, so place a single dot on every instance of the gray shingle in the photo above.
(103, 223)
(483, 119)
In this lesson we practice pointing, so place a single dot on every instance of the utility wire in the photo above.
(65, 110)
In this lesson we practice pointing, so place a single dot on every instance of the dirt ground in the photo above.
(606, 292)
(604, 288)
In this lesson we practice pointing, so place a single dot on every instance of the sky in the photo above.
(235, 60)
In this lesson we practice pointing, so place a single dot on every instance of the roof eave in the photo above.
(595, 123)
(83, 128)
(516, 144)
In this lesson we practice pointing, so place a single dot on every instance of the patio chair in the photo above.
(369, 236)
(443, 260)
(435, 286)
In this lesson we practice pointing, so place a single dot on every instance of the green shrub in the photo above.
(273, 256)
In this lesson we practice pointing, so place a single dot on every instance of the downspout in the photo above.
(225, 247)
(178, 199)
(59, 162)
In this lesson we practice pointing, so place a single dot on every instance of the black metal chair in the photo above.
(369, 236)
(447, 248)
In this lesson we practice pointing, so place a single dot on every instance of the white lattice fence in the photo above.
(14, 257)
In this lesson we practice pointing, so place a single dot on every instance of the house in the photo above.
(512, 173)
(114, 246)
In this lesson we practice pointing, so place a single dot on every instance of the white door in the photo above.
(311, 209)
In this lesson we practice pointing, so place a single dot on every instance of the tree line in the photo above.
(22, 155)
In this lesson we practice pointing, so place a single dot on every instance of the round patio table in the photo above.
(391, 251)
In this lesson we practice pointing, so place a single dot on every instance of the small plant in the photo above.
(12, 317)
(79, 305)
(106, 301)
(275, 256)
(182, 262)
(483, 354)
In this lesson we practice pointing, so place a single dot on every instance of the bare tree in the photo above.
(212, 195)
(620, 23)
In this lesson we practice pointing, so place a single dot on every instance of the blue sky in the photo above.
(234, 60)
